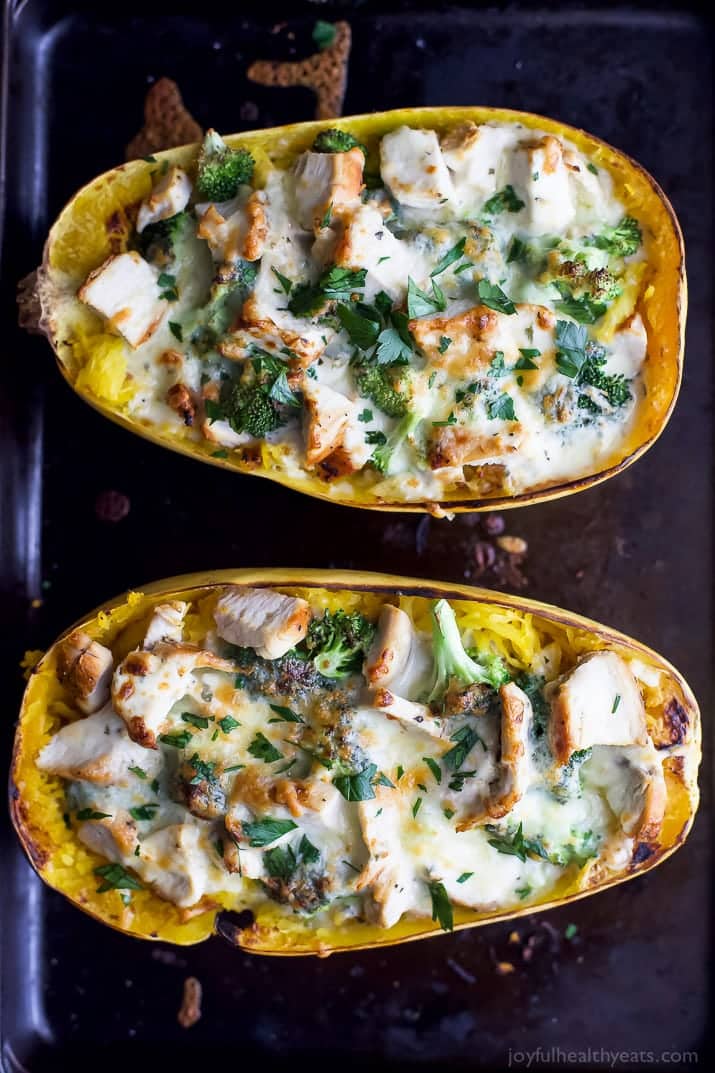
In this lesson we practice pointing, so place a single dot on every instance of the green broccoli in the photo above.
(376, 383)
(621, 241)
(337, 642)
(225, 301)
(614, 386)
(451, 659)
(157, 242)
(221, 170)
(574, 279)
(248, 408)
(336, 141)
(382, 455)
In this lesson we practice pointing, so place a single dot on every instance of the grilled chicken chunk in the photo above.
(542, 178)
(398, 658)
(408, 712)
(125, 289)
(596, 703)
(367, 243)
(114, 837)
(473, 155)
(170, 195)
(332, 427)
(262, 619)
(174, 861)
(412, 166)
(97, 749)
(326, 184)
(464, 445)
(633, 781)
(514, 768)
(146, 685)
(85, 668)
(235, 230)
(166, 623)
(388, 876)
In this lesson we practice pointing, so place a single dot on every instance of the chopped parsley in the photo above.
(502, 409)
(262, 749)
(358, 785)
(492, 296)
(434, 767)
(571, 340)
(262, 832)
(465, 876)
(199, 721)
(138, 771)
(444, 344)
(616, 702)
(506, 200)
(441, 906)
(420, 304)
(91, 814)
(115, 877)
(144, 812)
(466, 738)
(176, 330)
(416, 807)
(228, 723)
(286, 284)
(285, 715)
(365, 415)
(449, 258)
(176, 741)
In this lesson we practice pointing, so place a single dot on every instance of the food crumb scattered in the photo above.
(190, 1009)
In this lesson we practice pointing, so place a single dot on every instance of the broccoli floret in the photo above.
(451, 660)
(614, 386)
(382, 455)
(621, 241)
(248, 408)
(337, 642)
(494, 666)
(224, 305)
(533, 686)
(157, 242)
(375, 383)
(222, 170)
(576, 280)
(336, 141)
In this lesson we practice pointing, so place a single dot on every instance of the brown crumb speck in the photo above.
(513, 545)
(190, 1009)
(325, 72)
(111, 506)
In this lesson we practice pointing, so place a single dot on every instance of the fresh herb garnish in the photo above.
(115, 877)
(176, 741)
(434, 767)
(416, 807)
(492, 296)
(199, 721)
(502, 409)
(449, 258)
(465, 876)
(358, 785)
(138, 771)
(262, 749)
(616, 702)
(513, 843)
(285, 283)
(91, 814)
(571, 340)
(143, 812)
(466, 738)
(335, 284)
(420, 304)
(262, 832)
(441, 906)
(365, 415)
(505, 200)
(228, 723)
(176, 330)
(285, 715)
(444, 343)
(523, 892)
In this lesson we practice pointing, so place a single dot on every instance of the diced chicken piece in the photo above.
(633, 782)
(97, 749)
(146, 685)
(628, 348)
(367, 243)
(388, 876)
(514, 768)
(596, 703)
(408, 712)
(398, 658)
(473, 155)
(170, 195)
(477, 334)
(175, 863)
(332, 426)
(412, 166)
(262, 619)
(125, 290)
(326, 184)
(585, 186)
(234, 230)
(257, 794)
(166, 623)
(462, 445)
(542, 178)
(256, 329)
(114, 837)
(85, 668)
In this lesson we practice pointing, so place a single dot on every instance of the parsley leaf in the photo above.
(502, 409)
(466, 738)
(285, 715)
(362, 330)
(584, 310)
(506, 200)
(441, 906)
(262, 749)
(307, 851)
(199, 721)
(115, 877)
(358, 785)
(465, 876)
(420, 304)
(144, 812)
(282, 393)
(263, 832)
(492, 296)
(286, 284)
(434, 767)
(176, 741)
(392, 348)
(526, 360)
(228, 723)
(365, 415)
(90, 814)
(571, 342)
(449, 258)
(176, 330)
(444, 343)
(416, 807)
(138, 771)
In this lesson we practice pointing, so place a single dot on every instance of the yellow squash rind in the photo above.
(36, 799)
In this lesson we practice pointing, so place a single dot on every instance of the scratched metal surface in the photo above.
(635, 553)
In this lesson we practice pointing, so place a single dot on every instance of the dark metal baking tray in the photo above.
(635, 552)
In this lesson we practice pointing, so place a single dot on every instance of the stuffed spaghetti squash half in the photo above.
(346, 760)
(430, 309)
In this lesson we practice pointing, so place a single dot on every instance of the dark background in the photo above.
(635, 552)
